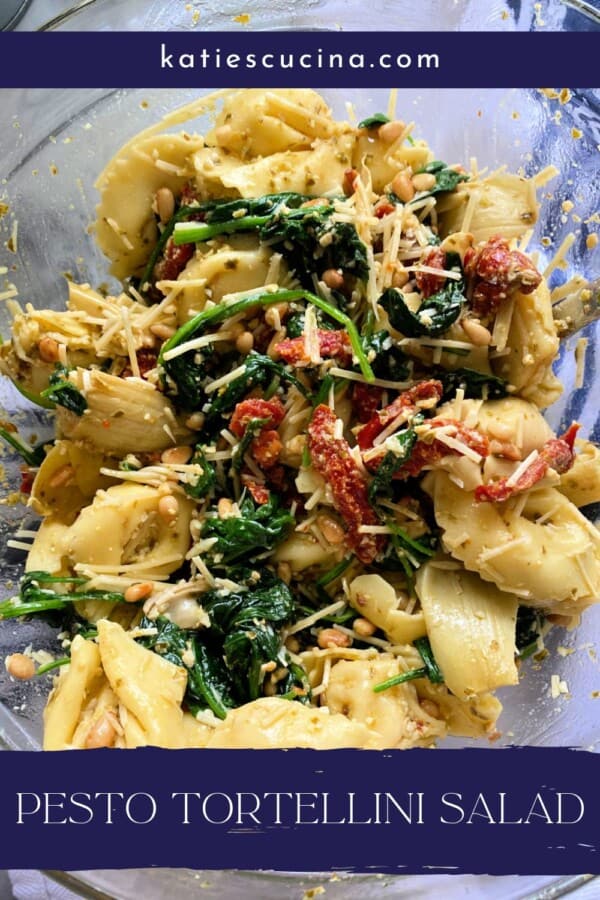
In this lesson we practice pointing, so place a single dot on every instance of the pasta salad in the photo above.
(301, 491)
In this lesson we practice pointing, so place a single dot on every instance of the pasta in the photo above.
(302, 491)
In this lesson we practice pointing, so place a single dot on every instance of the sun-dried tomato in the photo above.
(366, 400)
(173, 262)
(496, 273)
(146, 360)
(27, 477)
(331, 457)
(557, 454)
(428, 283)
(332, 344)
(383, 208)
(266, 447)
(424, 394)
(259, 492)
(256, 408)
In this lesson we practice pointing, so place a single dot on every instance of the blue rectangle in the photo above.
(292, 59)
(513, 811)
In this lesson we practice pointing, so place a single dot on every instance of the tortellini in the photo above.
(581, 484)
(271, 723)
(533, 345)
(67, 480)
(547, 553)
(126, 226)
(375, 599)
(503, 204)
(471, 627)
(122, 416)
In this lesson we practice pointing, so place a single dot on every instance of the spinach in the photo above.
(63, 392)
(387, 360)
(410, 552)
(35, 599)
(228, 657)
(530, 623)
(475, 384)
(294, 324)
(429, 669)
(188, 376)
(204, 483)
(312, 242)
(292, 229)
(446, 179)
(374, 121)
(258, 372)
(258, 528)
(436, 313)
(208, 682)
(393, 461)
(33, 456)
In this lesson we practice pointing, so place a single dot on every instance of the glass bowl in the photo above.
(401, 15)
(53, 146)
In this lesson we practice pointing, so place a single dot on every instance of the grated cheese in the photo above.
(225, 379)
(580, 352)
(522, 468)
(203, 341)
(454, 444)
(301, 624)
(559, 257)
(486, 555)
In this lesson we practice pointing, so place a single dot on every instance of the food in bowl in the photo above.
(301, 492)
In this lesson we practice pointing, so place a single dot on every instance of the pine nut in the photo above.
(284, 571)
(331, 530)
(168, 509)
(235, 330)
(333, 279)
(20, 666)
(424, 181)
(431, 708)
(403, 187)
(330, 638)
(400, 278)
(292, 644)
(137, 592)
(245, 342)
(390, 131)
(48, 349)
(101, 734)
(176, 456)
(62, 476)
(363, 627)
(165, 204)
(225, 508)
(478, 334)
(164, 332)
(195, 421)
(275, 313)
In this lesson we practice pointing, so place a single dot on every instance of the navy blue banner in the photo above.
(298, 59)
(513, 811)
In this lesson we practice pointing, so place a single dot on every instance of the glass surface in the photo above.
(54, 144)
(399, 15)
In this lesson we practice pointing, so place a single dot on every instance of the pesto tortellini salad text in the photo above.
(302, 492)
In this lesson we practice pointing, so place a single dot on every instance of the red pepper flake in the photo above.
(332, 459)
(422, 394)
(557, 454)
(496, 273)
(332, 344)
